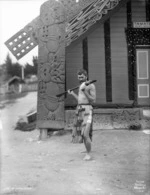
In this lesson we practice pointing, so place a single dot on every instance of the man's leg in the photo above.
(87, 141)
(91, 131)
(76, 132)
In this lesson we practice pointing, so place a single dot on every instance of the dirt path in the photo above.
(55, 167)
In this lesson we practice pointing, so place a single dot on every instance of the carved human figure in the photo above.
(51, 70)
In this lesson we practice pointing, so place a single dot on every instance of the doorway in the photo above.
(143, 76)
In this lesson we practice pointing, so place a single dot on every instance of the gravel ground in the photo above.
(120, 162)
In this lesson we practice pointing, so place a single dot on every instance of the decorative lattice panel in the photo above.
(24, 40)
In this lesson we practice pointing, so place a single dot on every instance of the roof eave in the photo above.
(99, 22)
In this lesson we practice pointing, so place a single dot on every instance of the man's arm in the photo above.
(90, 93)
(73, 94)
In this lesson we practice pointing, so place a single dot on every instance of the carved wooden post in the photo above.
(51, 68)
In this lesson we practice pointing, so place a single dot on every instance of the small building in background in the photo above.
(31, 82)
(17, 85)
(13, 85)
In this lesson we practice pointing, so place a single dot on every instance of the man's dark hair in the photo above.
(82, 71)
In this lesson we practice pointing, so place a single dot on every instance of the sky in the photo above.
(14, 15)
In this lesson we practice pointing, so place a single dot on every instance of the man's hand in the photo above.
(70, 92)
(87, 82)
(84, 85)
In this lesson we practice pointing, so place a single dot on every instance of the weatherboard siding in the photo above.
(119, 64)
(138, 10)
(74, 61)
(96, 60)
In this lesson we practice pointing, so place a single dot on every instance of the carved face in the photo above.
(54, 36)
(45, 72)
(47, 14)
(59, 13)
(52, 45)
(42, 88)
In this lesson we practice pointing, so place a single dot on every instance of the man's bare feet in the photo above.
(87, 157)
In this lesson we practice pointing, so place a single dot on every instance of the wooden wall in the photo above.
(74, 61)
(96, 57)
(118, 23)
(96, 61)
(138, 10)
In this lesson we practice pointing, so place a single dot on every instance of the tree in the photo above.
(29, 69)
(8, 65)
(16, 70)
(35, 64)
(2, 73)
(10, 69)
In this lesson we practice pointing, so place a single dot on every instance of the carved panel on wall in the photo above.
(126, 118)
(130, 119)
(102, 121)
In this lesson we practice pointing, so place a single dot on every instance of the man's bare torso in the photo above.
(82, 98)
